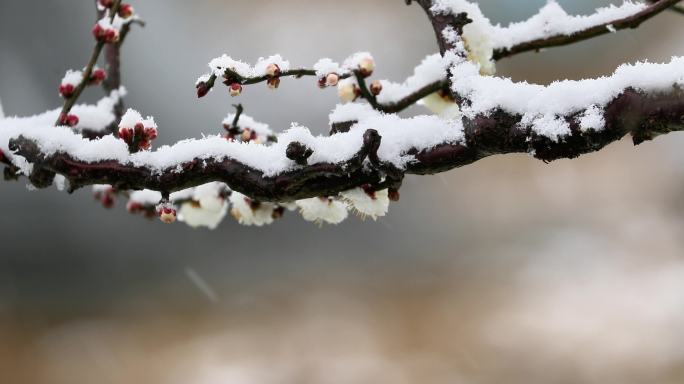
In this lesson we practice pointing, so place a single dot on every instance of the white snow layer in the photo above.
(542, 106)
(549, 21)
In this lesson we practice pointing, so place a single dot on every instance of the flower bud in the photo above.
(235, 89)
(111, 36)
(68, 120)
(202, 89)
(126, 134)
(273, 83)
(151, 133)
(134, 207)
(97, 76)
(366, 66)
(273, 70)
(376, 87)
(248, 135)
(126, 11)
(347, 92)
(98, 32)
(393, 195)
(332, 79)
(106, 3)
(322, 82)
(167, 215)
(66, 90)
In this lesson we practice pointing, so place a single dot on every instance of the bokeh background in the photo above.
(508, 270)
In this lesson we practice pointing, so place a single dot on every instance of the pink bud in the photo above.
(332, 79)
(235, 89)
(272, 70)
(126, 11)
(151, 133)
(106, 3)
(367, 66)
(126, 134)
(98, 32)
(376, 87)
(97, 76)
(66, 90)
(139, 129)
(273, 83)
(68, 120)
(134, 207)
(167, 215)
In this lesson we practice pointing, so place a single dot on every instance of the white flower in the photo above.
(323, 209)
(248, 213)
(480, 47)
(208, 212)
(373, 205)
(346, 90)
(442, 106)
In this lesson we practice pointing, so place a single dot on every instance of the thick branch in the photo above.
(632, 21)
(440, 22)
(644, 116)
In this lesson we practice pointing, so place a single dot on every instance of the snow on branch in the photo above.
(257, 175)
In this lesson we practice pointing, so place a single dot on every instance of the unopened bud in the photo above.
(235, 89)
(126, 11)
(347, 92)
(66, 90)
(273, 83)
(167, 215)
(202, 89)
(366, 66)
(376, 87)
(332, 79)
(273, 70)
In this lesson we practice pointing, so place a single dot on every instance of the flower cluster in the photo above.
(137, 132)
(106, 30)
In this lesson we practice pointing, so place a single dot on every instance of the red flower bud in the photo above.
(202, 89)
(151, 133)
(139, 129)
(107, 200)
(167, 215)
(273, 83)
(235, 89)
(126, 134)
(106, 3)
(68, 120)
(393, 194)
(134, 207)
(111, 36)
(322, 82)
(98, 32)
(126, 11)
(97, 76)
(66, 90)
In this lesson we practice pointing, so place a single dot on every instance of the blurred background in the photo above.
(509, 270)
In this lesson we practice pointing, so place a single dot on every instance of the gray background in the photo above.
(87, 294)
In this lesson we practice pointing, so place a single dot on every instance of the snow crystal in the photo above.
(551, 20)
(356, 59)
(98, 117)
(130, 118)
(592, 118)
(263, 63)
(72, 78)
(326, 66)
(220, 64)
(246, 121)
(352, 112)
(433, 68)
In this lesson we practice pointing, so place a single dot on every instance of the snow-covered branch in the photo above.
(257, 174)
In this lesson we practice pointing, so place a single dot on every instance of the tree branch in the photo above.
(642, 115)
(632, 21)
